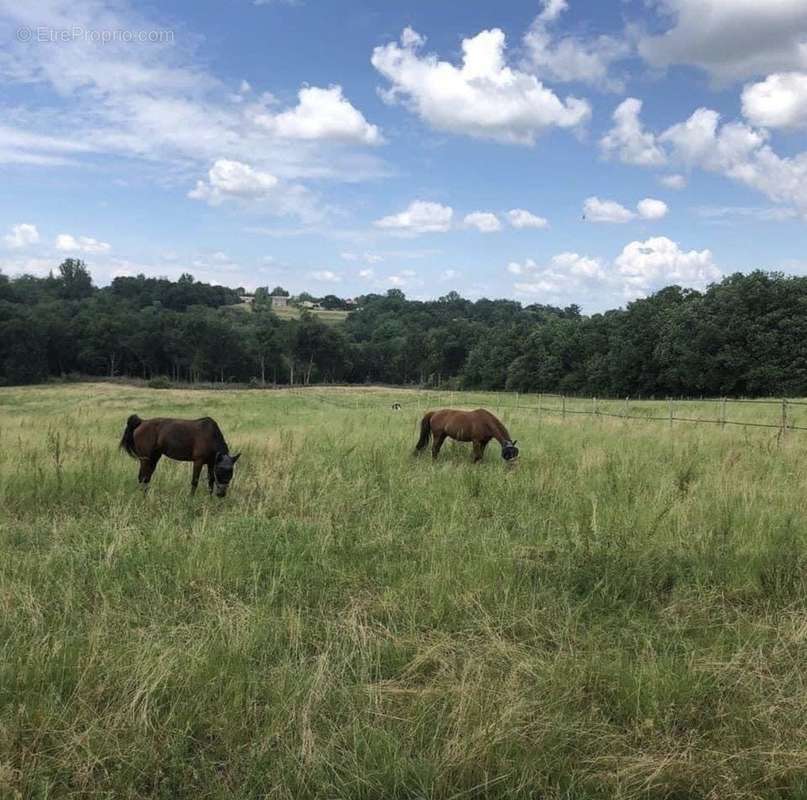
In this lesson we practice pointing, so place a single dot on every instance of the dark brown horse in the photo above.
(197, 440)
(478, 426)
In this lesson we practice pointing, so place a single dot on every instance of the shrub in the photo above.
(159, 382)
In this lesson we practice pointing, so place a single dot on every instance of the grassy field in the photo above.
(329, 317)
(620, 615)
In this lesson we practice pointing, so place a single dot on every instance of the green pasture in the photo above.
(620, 615)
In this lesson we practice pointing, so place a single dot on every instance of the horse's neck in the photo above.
(501, 434)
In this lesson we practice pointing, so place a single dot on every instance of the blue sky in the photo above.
(555, 151)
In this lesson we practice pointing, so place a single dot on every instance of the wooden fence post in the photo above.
(723, 413)
(784, 416)
(670, 404)
(563, 405)
(627, 409)
(540, 408)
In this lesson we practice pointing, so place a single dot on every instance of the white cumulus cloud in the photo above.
(21, 235)
(780, 101)
(564, 273)
(739, 152)
(596, 210)
(628, 140)
(228, 178)
(652, 209)
(81, 244)
(659, 261)
(521, 218)
(483, 221)
(322, 114)
(642, 267)
(420, 217)
(702, 141)
(483, 97)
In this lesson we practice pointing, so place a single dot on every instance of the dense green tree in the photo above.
(74, 279)
(331, 301)
(743, 335)
(266, 344)
(23, 345)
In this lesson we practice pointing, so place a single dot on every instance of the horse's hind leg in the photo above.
(147, 466)
(439, 438)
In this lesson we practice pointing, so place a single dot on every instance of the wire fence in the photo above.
(783, 409)
(788, 413)
(785, 415)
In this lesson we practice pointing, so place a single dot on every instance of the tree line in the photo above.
(743, 336)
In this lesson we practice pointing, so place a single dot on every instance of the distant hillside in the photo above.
(329, 317)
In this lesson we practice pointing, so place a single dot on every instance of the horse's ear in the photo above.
(515, 442)
(236, 457)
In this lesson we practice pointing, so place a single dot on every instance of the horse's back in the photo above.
(482, 414)
(453, 422)
(180, 439)
(466, 425)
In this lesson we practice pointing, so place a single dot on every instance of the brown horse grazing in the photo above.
(478, 426)
(197, 440)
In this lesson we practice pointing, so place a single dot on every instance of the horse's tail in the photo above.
(127, 442)
(425, 430)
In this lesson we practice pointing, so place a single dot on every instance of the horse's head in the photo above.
(509, 450)
(223, 468)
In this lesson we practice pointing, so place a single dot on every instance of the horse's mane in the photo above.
(497, 424)
(503, 431)
(221, 444)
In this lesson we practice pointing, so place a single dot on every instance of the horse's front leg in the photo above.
(479, 451)
(210, 478)
(197, 468)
